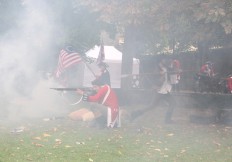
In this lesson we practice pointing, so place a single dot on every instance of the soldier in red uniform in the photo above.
(107, 97)
(206, 77)
(207, 69)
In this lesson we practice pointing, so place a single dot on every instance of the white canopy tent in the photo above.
(113, 58)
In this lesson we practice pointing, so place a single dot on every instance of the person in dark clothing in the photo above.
(162, 94)
(206, 78)
(104, 76)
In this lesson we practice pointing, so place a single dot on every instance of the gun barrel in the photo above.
(69, 89)
(64, 89)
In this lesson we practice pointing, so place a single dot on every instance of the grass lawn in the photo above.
(145, 140)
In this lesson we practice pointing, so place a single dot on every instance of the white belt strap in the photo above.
(107, 94)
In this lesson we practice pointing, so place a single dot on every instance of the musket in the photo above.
(87, 90)
(64, 89)
(72, 89)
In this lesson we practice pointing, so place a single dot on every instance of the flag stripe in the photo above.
(66, 60)
(71, 63)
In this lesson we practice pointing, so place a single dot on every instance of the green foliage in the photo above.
(168, 23)
(161, 24)
(76, 26)
(213, 22)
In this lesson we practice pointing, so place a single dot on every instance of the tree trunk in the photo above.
(203, 51)
(127, 57)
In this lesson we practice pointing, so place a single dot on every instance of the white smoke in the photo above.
(24, 91)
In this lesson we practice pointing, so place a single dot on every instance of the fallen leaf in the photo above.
(90, 159)
(29, 159)
(46, 135)
(182, 151)
(58, 140)
(37, 138)
(80, 143)
(157, 150)
(38, 145)
(216, 143)
(120, 137)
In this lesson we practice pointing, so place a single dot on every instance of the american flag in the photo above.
(101, 55)
(66, 59)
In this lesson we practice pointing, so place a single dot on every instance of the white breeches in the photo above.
(116, 122)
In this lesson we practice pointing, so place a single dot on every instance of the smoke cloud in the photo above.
(24, 82)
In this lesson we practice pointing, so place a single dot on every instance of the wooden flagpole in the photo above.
(101, 57)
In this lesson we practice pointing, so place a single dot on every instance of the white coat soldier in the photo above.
(166, 84)
(175, 71)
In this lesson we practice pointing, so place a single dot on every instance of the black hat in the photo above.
(102, 64)
(97, 82)
(210, 63)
